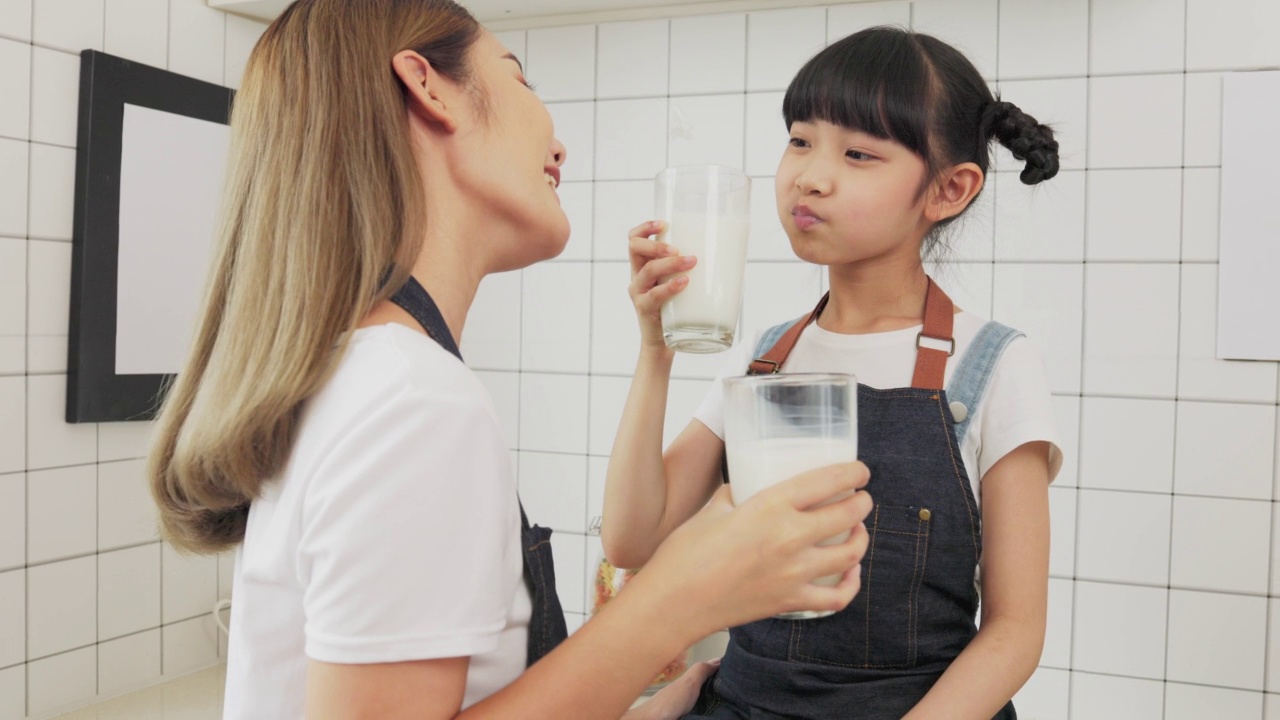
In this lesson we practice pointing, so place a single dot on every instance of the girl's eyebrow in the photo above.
(516, 60)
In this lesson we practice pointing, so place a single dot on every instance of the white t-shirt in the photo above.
(1017, 408)
(392, 535)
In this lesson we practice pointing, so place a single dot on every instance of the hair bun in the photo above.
(1025, 137)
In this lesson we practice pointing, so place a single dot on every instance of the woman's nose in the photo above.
(558, 152)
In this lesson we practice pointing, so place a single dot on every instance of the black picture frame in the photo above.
(95, 392)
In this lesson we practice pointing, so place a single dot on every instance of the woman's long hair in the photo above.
(323, 197)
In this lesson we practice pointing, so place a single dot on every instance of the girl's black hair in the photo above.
(918, 91)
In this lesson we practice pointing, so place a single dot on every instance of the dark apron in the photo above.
(916, 611)
(546, 625)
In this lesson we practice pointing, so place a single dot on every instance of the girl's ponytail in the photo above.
(1025, 137)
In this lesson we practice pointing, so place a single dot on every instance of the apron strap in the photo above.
(931, 363)
(771, 362)
(939, 323)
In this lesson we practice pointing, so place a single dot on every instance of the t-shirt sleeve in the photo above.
(1018, 409)
(711, 411)
(407, 535)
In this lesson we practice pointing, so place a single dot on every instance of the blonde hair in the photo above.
(323, 199)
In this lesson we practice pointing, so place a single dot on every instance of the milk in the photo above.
(758, 464)
(703, 317)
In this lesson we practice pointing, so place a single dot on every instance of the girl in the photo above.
(890, 134)
(326, 425)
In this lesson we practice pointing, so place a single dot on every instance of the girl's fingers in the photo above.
(645, 229)
(641, 244)
(651, 301)
(655, 272)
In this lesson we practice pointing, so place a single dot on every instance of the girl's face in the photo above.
(845, 196)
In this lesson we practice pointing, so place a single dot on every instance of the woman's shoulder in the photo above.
(398, 373)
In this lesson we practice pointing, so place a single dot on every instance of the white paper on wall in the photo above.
(1249, 255)
(171, 176)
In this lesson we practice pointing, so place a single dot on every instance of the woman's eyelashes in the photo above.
(532, 87)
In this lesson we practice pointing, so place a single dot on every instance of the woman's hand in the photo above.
(731, 565)
(677, 699)
(656, 277)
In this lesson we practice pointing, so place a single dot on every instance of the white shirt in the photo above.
(392, 535)
(1017, 408)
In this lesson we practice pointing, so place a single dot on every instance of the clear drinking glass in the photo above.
(779, 426)
(706, 209)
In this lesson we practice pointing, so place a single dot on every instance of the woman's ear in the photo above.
(426, 92)
(954, 191)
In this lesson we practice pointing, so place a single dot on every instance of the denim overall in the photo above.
(916, 611)
(546, 625)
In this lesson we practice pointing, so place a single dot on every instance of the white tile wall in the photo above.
(1115, 141)
(138, 30)
(845, 20)
(1120, 629)
(1215, 41)
(1044, 38)
(1131, 330)
(1115, 26)
(1216, 639)
(1127, 444)
(1134, 215)
(80, 557)
(1124, 537)
(708, 54)
(634, 59)
(561, 62)
(15, 84)
(1115, 698)
(1042, 222)
(1173, 443)
(779, 42)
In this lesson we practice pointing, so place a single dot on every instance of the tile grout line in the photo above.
(1084, 307)
(1177, 365)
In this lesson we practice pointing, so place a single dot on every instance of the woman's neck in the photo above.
(878, 295)
(449, 275)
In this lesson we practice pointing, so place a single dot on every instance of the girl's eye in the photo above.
(857, 155)
(797, 142)
(530, 85)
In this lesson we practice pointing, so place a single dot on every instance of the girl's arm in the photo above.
(726, 566)
(647, 494)
(1015, 582)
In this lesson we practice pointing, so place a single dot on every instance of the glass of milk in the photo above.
(779, 426)
(706, 209)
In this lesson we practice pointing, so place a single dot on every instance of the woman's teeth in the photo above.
(551, 180)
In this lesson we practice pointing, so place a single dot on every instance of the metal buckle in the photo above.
(775, 365)
(920, 336)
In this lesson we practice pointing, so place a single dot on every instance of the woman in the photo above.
(326, 424)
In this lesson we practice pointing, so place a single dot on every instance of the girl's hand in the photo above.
(655, 266)
(677, 699)
(729, 565)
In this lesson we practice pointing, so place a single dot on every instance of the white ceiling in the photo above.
(486, 10)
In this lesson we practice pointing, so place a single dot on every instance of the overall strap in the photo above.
(977, 367)
(939, 322)
(414, 299)
(931, 363)
(771, 362)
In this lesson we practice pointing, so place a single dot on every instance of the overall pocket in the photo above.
(878, 629)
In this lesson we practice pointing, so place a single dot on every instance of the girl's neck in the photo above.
(880, 295)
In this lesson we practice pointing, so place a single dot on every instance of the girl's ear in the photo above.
(427, 93)
(953, 192)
